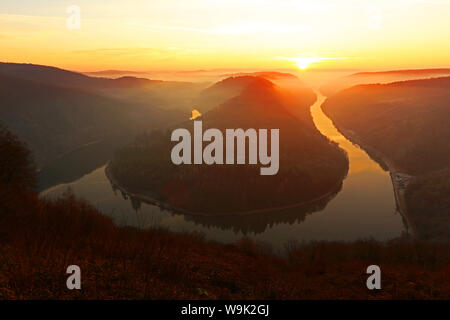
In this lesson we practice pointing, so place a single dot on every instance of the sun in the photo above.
(304, 62)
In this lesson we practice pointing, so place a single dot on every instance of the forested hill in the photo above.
(234, 85)
(310, 165)
(163, 94)
(54, 120)
(408, 122)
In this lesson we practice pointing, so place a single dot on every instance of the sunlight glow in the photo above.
(209, 34)
(304, 62)
(195, 114)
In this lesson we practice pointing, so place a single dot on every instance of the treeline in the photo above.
(56, 111)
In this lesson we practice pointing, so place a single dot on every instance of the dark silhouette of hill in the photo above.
(60, 77)
(339, 84)
(54, 120)
(221, 91)
(269, 75)
(407, 123)
(232, 86)
(310, 165)
(108, 73)
(164, 94)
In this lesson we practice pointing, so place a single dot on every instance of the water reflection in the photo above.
(250, 223)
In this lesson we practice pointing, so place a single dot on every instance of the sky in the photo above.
(145, 35)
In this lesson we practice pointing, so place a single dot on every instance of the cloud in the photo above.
(439, 2)
(238, 28)
(124, 51)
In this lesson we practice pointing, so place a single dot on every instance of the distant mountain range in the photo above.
(165, 94)
(270, 75)
(339, 84)
(65, 78)
(108, 73)
(56, 111)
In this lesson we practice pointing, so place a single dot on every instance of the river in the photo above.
(363, 208)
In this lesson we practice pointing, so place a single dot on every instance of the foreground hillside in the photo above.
(40, 238)
(407, 124)
(310, 166)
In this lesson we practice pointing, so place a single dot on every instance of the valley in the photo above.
(405, 124)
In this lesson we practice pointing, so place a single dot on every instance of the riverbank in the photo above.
(387, 165)
(166, 206)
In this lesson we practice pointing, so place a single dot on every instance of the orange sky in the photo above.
(203, 34)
